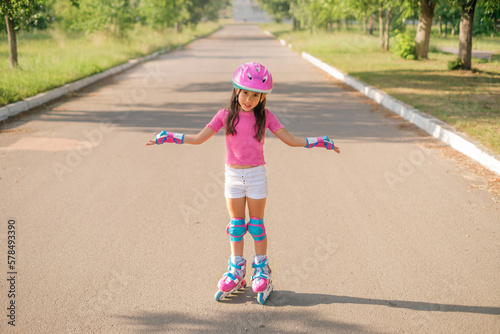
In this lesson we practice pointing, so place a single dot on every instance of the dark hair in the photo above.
(234, 117)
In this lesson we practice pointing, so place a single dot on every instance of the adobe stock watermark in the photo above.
(74, 158)
(284, 116)
(406, 168)
(201, 196)
(325, 248)
(98, 302)
(124, 104)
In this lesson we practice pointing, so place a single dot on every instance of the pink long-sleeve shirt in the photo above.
(242, 148)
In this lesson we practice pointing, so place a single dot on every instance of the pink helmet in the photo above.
(253, 77)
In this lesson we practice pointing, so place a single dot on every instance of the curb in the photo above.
(45, 97)
(431, 125)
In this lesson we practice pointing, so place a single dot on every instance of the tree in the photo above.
(112, 16)
(10, 9)
(466, 27)
(15, 11)
(448, 15)
(279, 9)
(363, 10)
(389, 14)
(159, 14)
(388, 10)
(423, 36)
(465, 36)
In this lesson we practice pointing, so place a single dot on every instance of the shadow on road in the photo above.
(267, 320)
(290, 298)
(255, 321)
(304, 108)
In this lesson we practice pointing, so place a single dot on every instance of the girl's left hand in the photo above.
(152, 141)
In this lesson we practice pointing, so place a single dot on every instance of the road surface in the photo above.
(112, 236)
(475, 53)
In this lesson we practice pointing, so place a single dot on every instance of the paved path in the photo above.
(116, 237)
(475, 53)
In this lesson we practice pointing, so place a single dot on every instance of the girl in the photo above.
(245, 122)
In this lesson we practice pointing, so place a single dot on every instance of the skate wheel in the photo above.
(243, 284)
(218, 296)
(260, 298)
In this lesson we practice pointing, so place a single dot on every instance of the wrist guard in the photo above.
(320, 142)
(169, 137)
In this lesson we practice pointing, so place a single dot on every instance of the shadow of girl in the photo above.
(290, 298)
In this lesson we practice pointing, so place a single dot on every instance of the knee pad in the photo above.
(236, 229)
(256, 229)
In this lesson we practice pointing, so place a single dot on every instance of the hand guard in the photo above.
(320, 142)
(169, 137)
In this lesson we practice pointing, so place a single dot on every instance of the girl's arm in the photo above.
(290, 140)
(197, 139)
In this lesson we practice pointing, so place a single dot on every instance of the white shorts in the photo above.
(250, 182)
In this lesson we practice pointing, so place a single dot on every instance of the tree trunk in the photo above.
(465, 34)
(424, 28)
(387, 29)
(12, 41)
(381, 27)
(178, 27)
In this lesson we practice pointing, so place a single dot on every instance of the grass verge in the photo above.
(50, 59)
(467, 100)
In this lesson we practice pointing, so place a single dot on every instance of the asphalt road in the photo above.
(475, 53)
(112, 236)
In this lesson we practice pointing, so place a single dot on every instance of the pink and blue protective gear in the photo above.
(236, 229)
(256, 229)
(169, 137)
(236, 272)
(262, 274)
(320, 142)
(253, 77)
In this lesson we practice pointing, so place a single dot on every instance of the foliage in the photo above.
(279, 9)
(318, 14)
(27, 14)
(488, 20)
(115, 17)
(486, 17)
(405, 46)
(159, 13)
(456, 64)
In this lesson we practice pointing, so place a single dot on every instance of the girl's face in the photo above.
(249, 100)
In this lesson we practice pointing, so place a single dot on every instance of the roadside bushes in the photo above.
(404, 45)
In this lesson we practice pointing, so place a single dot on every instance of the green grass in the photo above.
(53, 58)
(467, 100)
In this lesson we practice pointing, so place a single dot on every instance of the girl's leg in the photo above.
(261, 277)
(236, 209)
(256, 208)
